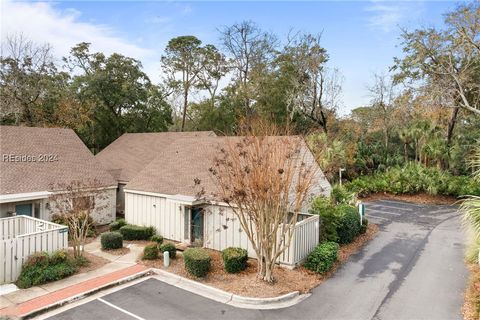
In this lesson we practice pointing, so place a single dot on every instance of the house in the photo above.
(37, 162)
(165, 195)
(132, 152)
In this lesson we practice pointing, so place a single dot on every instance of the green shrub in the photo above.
(150, 252)
(323, 207)
(111, 240)
(340, 195)
(133, 232)
(323, 257)
(414, 178)
(348, 225)
(170, 247)
(197, 261)
(364, 226)
(116, 225)
(234, 259)
(57, 257)
(157, 238)
(41, 268)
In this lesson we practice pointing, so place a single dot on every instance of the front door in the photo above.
(23, 209)
(197, 226)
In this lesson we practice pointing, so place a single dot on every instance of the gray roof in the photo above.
(60, 158)
(132, 152)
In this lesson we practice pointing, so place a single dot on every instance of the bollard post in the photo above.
(166, 259)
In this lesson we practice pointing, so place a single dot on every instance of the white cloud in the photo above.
(43, 23)
(387, 16)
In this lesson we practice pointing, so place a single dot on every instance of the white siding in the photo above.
(165, 215)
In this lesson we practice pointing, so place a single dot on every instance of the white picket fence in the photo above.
(21, 236)
(304, 240)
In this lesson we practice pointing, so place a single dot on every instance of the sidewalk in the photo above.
(121, 268)
(73, 292)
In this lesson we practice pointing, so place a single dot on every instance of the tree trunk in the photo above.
(185, 104)
(451, 126)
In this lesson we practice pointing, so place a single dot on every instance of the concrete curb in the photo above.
(87, 293)
(228, 298)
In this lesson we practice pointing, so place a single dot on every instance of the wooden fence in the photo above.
(304, 240)
(21, 236)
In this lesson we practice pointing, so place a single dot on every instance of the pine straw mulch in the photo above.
(471, 305)
(421, 198)
(246, 283)
(94, 262)
(117, 252)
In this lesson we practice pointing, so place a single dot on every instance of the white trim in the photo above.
(186, 200)
(17, 197)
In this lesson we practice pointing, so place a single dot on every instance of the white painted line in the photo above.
(120, 309)
(389, 207)
(384, 212)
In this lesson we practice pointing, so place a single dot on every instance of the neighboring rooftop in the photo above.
(132, 152)
(175, 170)
(40, 159)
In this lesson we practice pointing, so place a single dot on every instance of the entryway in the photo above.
(197, 226)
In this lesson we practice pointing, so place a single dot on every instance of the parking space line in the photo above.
(120, 309)
(383, 212)
(389, 207)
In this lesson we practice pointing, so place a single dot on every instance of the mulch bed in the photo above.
(422, 198)
(246, 283)
(94, 262)
(118, 252)
(471, 305)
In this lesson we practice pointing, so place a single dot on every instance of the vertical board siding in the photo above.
(22, 236)
(165, 215)
(222, 229)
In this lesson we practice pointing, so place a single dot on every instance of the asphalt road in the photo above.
(413, 269)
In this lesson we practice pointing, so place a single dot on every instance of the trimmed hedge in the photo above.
(322, 258)
(133, 232)
(41, 268)
(150, 252)
(170, 247)
(157, 238)
(348, 226)
(197, 261)
(234, 259)
(116, 225)
(111, 240)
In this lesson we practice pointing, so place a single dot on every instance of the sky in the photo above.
(361, 37)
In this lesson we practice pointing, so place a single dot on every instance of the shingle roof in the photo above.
(174, 171)
(71, 160)
(128, 155)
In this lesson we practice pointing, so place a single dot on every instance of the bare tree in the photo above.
(266, 181)
(315, 90)
(248, 47)
(382, 98)
(74, 205)
(26, 71)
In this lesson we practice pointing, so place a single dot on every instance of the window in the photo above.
(84, 203)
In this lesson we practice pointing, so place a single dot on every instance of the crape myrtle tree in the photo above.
(266, 181)
(74, 205)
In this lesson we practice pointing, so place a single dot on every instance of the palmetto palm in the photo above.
(471, 207)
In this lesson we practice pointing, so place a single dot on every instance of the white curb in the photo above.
(234, 300)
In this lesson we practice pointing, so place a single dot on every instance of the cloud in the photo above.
(387, 16)
(44, 23)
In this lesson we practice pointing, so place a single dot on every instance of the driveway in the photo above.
(413, 269)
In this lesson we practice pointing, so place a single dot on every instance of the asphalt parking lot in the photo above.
(413, 269)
